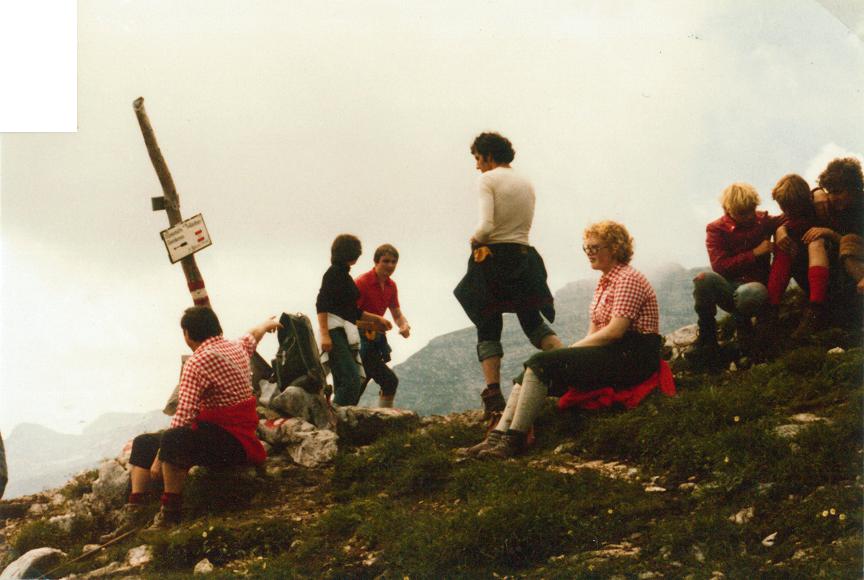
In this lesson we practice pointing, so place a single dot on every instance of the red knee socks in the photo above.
(171, 501)
(818, 278)
(138, 498)
(781, 273)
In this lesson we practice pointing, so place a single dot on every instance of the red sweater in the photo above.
(241, 420)
(730, 247)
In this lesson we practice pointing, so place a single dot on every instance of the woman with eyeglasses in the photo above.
(622, 347)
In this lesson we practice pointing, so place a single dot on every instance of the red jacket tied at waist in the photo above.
(241, 420)
(629, 398)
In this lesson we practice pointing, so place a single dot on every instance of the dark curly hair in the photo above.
(495, 145)
(842, 175)
(201, 323)
(346, 248)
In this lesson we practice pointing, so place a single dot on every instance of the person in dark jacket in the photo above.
(338, 314)
(505, 273)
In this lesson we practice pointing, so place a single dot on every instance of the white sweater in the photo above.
(506, 207)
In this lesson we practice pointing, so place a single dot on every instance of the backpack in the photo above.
(297, 362)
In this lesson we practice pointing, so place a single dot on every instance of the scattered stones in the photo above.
(688, 486)
(203, 567)
(769, 540)
(305, 444)
(698, 555)
(34, 563)
(655, 489)
(836, 350)
(89, 548)
(37, 509)
(139, 556)
(808, 418)
(743, 516)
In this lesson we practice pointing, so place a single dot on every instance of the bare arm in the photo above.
(269, 325)
(326, 342)
(606, 335)
(378, 323)
(401, 321)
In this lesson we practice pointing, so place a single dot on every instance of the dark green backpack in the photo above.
(297, 361)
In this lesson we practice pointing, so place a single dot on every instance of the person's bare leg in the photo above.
(492, 369)
(816, 254)
(174, 476)
(140, 479)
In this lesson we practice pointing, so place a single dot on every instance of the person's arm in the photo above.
(263, 328)
(613, 331)
(401, 321)
(725, 262)
(378, 323)
(487, 214)
(814, 234)
(326, 341)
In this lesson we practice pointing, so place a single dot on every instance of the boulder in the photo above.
(296, 402)
(139, 555)
(681, 340)
(301, 441)
(361, 426)
(112, 485)
(34, 563)
(203, 567)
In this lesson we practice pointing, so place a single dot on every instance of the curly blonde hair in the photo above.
(615, 236)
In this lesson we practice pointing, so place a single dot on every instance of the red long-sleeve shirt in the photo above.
(730, 247)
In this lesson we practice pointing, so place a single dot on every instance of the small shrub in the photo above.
(805, 361)
(38, 534)
(80, 485)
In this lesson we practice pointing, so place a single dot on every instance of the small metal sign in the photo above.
(186, 238)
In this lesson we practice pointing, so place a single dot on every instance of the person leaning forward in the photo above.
(215, 423)
(505, 274)
(739, 249)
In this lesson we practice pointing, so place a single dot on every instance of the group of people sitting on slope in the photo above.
(817, 240)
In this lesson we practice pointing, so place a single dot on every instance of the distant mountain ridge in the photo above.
(444, 376)
(40, 458)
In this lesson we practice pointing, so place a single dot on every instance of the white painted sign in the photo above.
(186, 238)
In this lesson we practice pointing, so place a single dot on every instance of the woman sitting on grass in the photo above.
(622, 347)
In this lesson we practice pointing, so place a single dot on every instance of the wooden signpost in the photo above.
(170, 203)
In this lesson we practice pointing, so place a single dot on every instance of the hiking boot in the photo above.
(491, 441)
(130, 517)
(745, 333)
(813, 319)
(165, 519)
(511, 444)
(493, 402)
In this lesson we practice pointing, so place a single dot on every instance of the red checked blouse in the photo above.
(216, 375)
(624, 292)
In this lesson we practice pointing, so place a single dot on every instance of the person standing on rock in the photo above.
(215, 423)
(378, 292)
(338, 315)
(505, 274)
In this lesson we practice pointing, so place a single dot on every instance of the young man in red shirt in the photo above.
(378, 292)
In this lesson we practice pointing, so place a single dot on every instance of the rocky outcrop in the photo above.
(34, 563)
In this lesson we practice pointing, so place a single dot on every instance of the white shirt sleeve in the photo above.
(487, 211)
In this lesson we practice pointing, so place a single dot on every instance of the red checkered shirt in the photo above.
(216, 375)
(624, 292)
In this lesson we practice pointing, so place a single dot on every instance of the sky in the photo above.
(287, 123)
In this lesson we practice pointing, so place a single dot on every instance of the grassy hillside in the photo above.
(753, 473)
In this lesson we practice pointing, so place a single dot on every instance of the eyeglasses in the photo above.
(591, 250)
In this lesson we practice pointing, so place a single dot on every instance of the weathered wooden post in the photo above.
(170, 202)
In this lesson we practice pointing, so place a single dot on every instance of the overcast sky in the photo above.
(287, 123)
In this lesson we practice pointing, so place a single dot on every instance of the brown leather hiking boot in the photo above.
(491, 441)
(165, 519)
(131, 516)
(511, 444)
(493, 402)
(813, 319)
